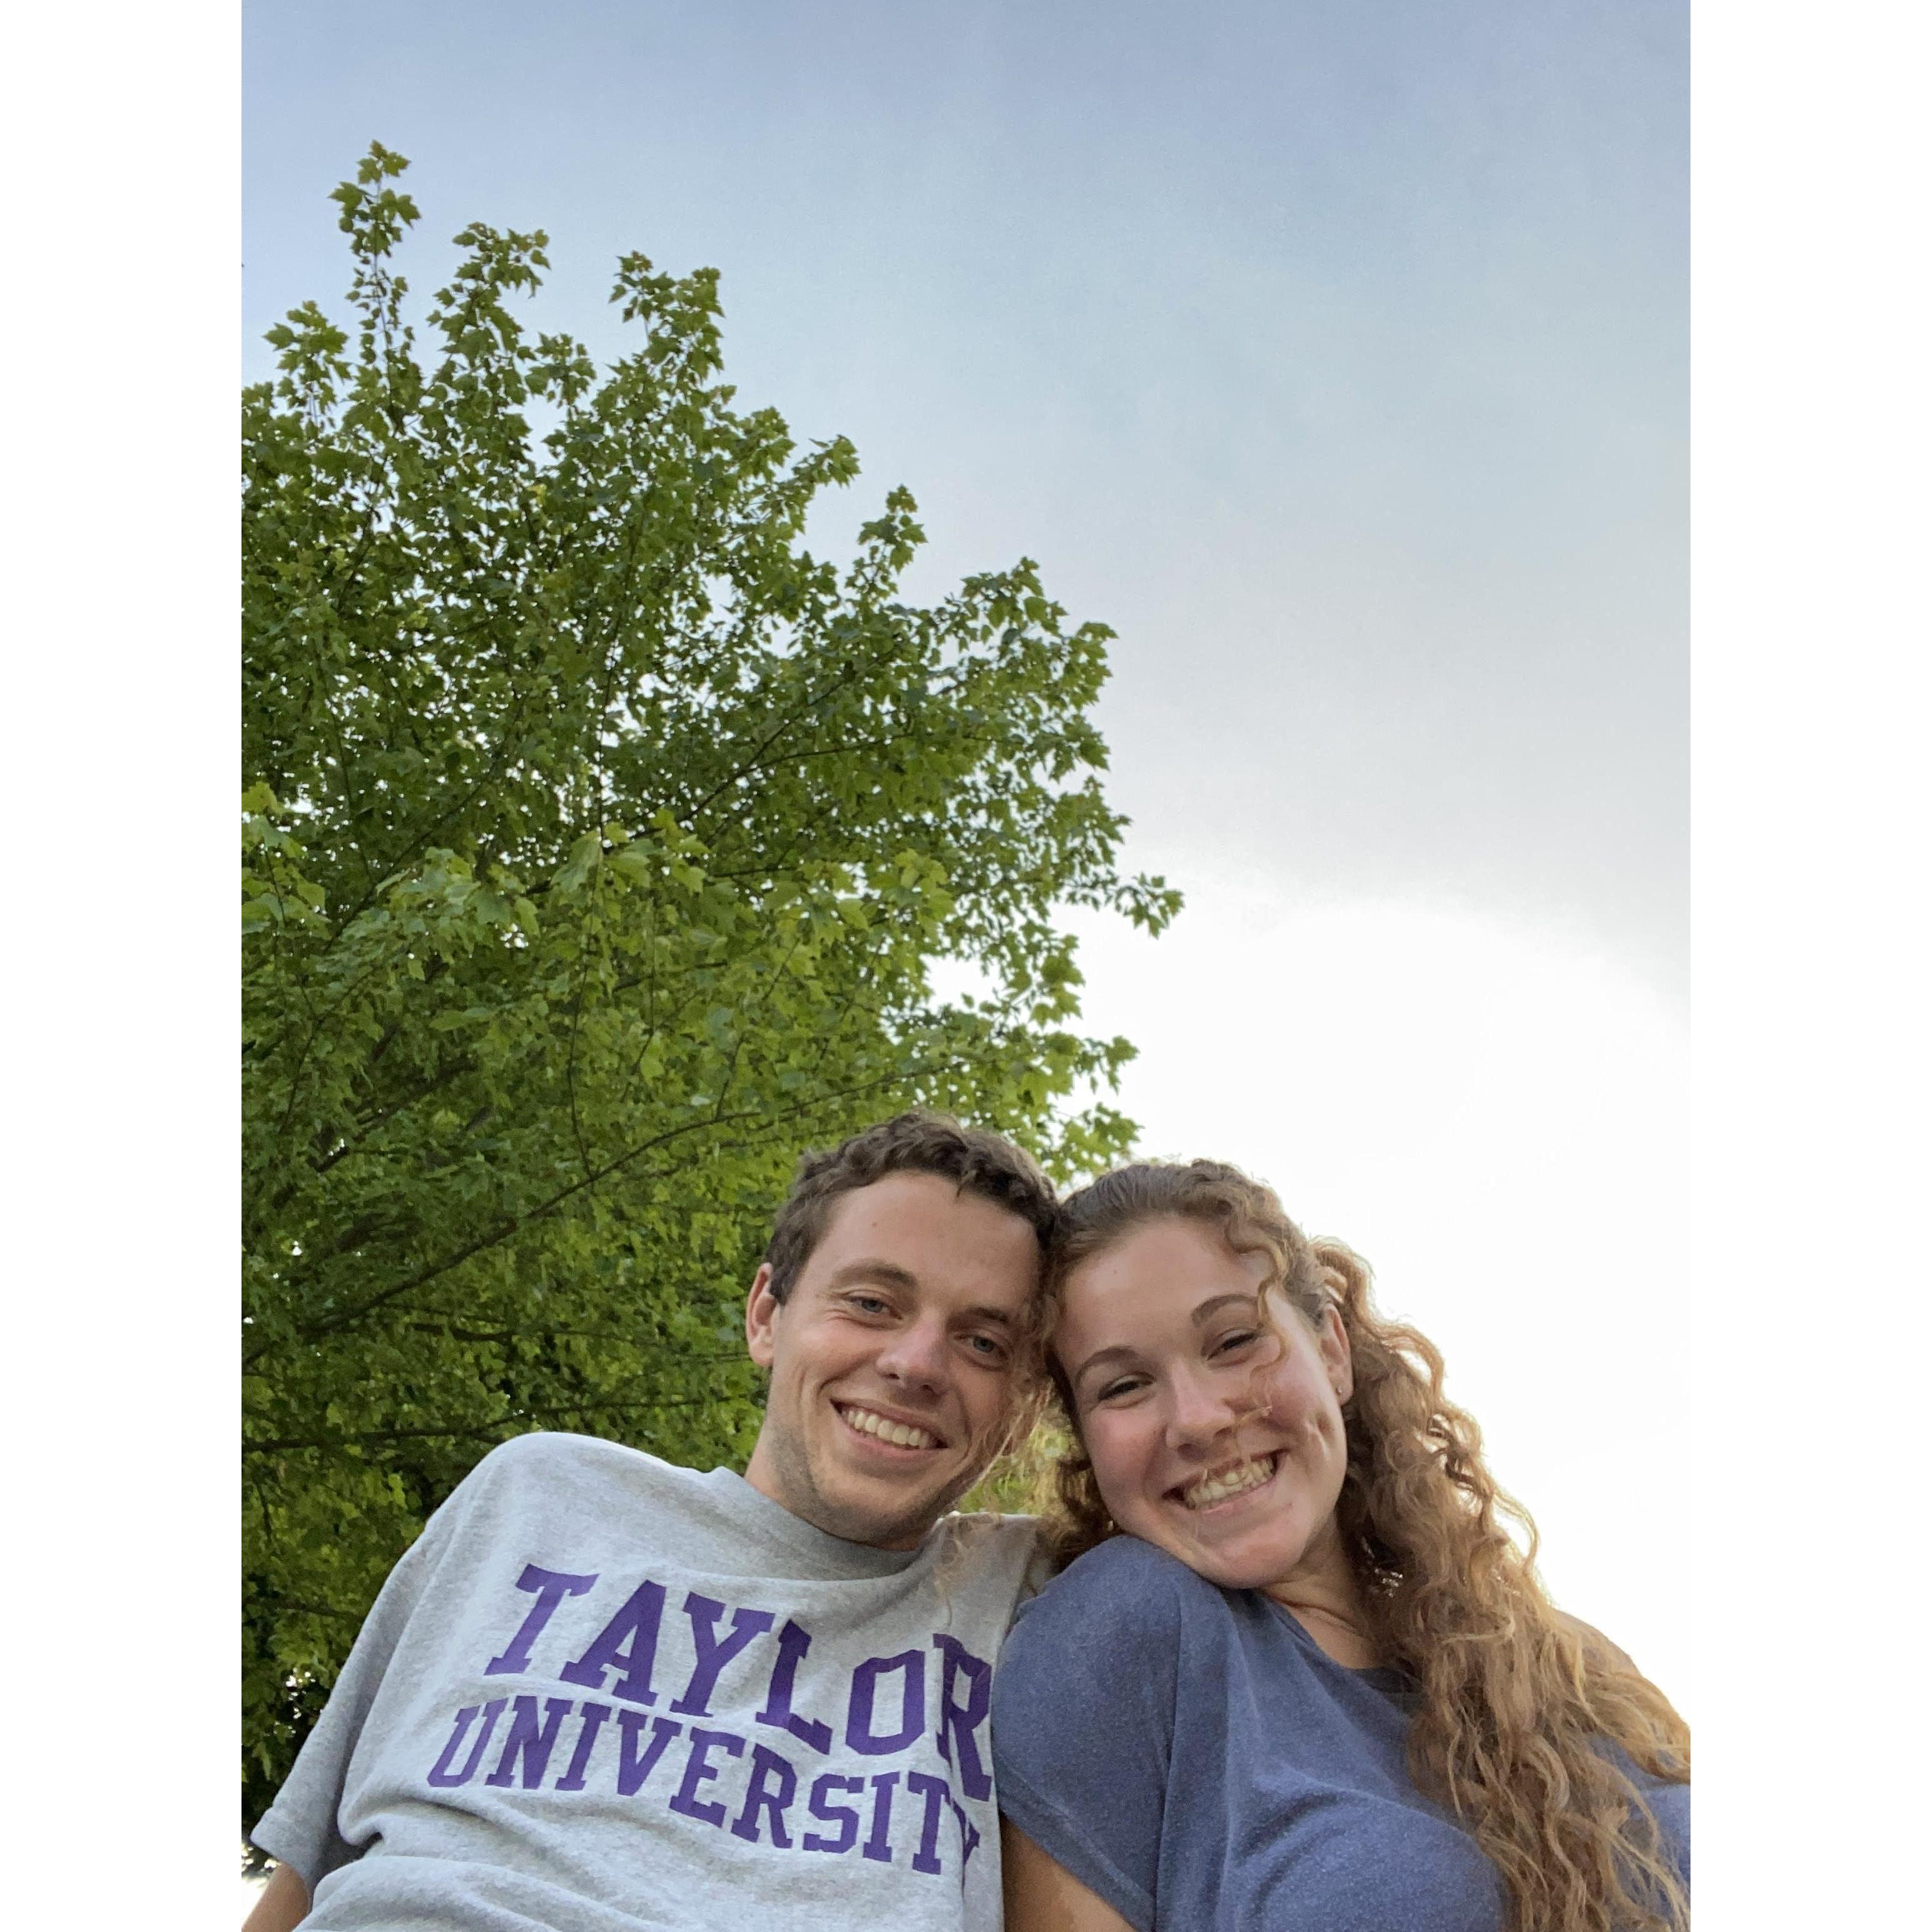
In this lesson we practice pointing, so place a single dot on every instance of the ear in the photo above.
(761, 1318)
(1331, 1338)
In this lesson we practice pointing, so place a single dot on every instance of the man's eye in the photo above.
(870, 1304)
(989, 1347)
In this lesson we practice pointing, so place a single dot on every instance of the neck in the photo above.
(1322, 1595)
(786, 1480)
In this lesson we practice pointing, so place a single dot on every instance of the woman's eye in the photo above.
(1239, 1339)
(1126, 1385)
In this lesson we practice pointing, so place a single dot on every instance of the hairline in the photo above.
(977, 1161)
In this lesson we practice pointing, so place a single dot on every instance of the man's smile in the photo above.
(882, 1429)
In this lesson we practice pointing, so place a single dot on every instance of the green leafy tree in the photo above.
(600, 843)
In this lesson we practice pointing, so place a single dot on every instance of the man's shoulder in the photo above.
(1002, 1552)
(541, 1449)
(548, 1461)
(989, 1528)
(982, 1535)
(581, 1491)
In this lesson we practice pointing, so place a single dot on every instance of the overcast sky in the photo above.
(1335, 354)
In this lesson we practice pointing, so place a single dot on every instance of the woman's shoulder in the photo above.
(1084, 1717)
(1083, 1698)
(1127, 1563)
(1124, 1587)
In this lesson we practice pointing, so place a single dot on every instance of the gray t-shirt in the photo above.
(1191, 1754)
(601, 1692)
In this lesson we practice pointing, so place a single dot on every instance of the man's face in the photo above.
(894, 1361)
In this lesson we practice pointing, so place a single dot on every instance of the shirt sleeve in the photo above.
(300, 1828)
(1083, 1721)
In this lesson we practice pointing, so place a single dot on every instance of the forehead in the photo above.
(1152, 1280)
(950, 1244)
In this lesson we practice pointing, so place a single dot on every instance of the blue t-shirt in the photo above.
(1191, 1755)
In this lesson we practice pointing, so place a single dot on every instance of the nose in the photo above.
(1199, 1413)
(915, 1355)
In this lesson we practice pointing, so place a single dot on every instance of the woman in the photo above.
(1299, 1675)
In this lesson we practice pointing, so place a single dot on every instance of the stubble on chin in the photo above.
(807, 1498)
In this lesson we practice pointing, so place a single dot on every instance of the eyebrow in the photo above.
(1215, 1303)
(998, 1316)
(887, 1274)
(1120, 1352)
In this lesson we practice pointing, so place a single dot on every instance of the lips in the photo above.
(1230, 1481)
(894, 1432)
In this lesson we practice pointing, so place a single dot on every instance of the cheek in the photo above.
(1302, 1404)
(841, 1349)
(1119, 1453)
(986, 1403)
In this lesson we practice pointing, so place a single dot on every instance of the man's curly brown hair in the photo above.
(917, 1142)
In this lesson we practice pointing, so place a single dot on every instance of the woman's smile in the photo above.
(1216, 1492)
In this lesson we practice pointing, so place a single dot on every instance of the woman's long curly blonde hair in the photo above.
(1517, 1702)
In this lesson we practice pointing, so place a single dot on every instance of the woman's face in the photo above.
(1213, 1434)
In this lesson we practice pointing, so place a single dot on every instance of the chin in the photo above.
(1252, 1575)
(871, 1511)
(1253, 1562)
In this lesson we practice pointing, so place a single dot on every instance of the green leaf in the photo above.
(586, 856)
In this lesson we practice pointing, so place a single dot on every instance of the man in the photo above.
(601, 1692)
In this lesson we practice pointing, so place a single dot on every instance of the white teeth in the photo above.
(1229, 1483)
(900, 1434)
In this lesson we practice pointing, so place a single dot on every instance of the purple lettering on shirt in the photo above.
(933, 1791)
(793, 1642)
(551, 1587)
(859, 1735)
(697, 1768)
(969, 1835)
(594, 1716)
(633, 1766)
(714, 1652)
(629, 1641)
(772, 1786)
(843, 1816)
(876, 1847)
(957, 1722)
(532, 1744)
(442, 1777)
